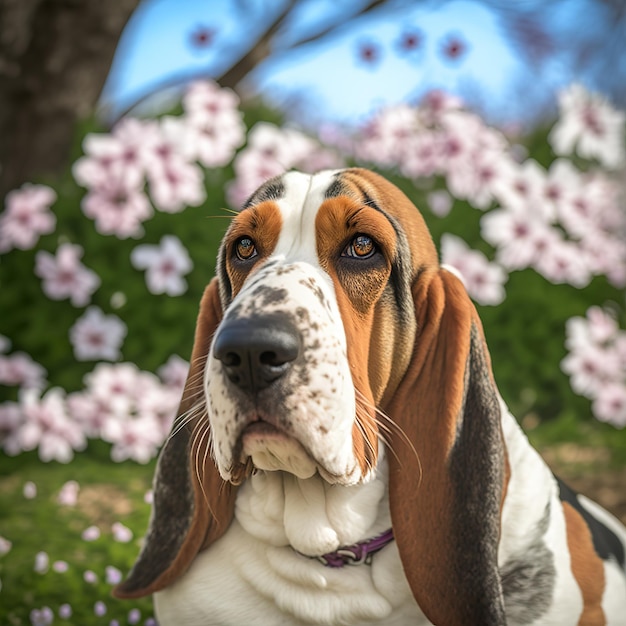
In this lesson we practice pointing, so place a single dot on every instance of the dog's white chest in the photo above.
(253, 575)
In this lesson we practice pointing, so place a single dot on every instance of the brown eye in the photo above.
(245, 249)
(361, 247)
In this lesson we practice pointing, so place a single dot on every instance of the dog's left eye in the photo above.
(361, 247)
(245, 249)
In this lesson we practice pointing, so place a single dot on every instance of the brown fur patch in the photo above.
(424, 496)
(262, 223)
(587, 567)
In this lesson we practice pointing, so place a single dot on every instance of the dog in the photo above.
(342, 454)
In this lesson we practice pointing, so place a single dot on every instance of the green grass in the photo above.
(109, 493)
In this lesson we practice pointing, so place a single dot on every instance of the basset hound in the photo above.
(342, 454)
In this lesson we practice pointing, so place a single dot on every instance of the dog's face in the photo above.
(315, 277)
(331, 327)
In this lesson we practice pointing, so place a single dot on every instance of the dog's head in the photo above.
(329, 329)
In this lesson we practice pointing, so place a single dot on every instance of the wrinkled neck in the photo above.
(311, 515)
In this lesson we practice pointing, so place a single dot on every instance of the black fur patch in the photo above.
(167, 532)
(273, 189)
(605, 542)
(476, 467)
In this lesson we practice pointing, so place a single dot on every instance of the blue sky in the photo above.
(327, 81)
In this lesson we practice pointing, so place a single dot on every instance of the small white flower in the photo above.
(589, 123)
(97, 336)
(26, 217)
(112, 575)
(29, 490)
(64, 276)
(5, 546)
(42, 562)
(483, 280)
(68, 496)
(121, 533)
(165, 265)
(60, 567)
(91, 533)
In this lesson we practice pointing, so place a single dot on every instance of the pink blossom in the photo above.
(610, 404)
(42, 617)
(591, 125)
(112, 575)
(522, 188)
(212, 112)
(29, 490)
(389, 135)
(596, 362)
(440, 202)
(484, 281)
(420, 156)
(126, 407)
(369, 52)
(602, 325)
(42, 562)
(117, 210)
(202, 36)
(562, 262)
(562, 188)
(92, 533)
(64, 276)
(60, 567)
(137, 439)
(65, 611)
(165, 265)
(177, 186)
(10, 420)
(89, 576)
(588, 370)
(518, 236)
(99, 608)
(89, 411)
(48, 427)
(119, 155)
(175, 181)
(472, 157)
(97, 336)
(123, 534)
(19, 369)
(453, 47)
(68, 496)
(174, 372)
(5, 546)
(26, 217)
(436, 104)
(134, 616)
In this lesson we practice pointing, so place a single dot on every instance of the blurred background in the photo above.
(130, 130)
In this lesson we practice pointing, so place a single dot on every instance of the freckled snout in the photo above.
(256, 351)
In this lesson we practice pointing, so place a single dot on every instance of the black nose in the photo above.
(257, 351)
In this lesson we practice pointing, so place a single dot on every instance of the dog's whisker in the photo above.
(390, 427)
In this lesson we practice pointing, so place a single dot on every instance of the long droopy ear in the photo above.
(193, 506)
(447, 464)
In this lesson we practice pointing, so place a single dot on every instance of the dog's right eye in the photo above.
(245, 248)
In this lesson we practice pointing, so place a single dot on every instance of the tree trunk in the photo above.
(55, 56)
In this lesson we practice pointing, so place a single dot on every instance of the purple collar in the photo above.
(361, 552)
